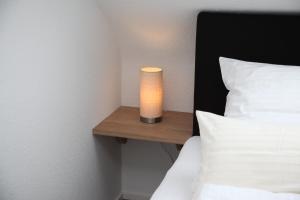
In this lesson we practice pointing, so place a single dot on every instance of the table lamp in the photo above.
(151, 94)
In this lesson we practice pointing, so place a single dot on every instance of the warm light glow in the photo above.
(151, 92)
(154, 37)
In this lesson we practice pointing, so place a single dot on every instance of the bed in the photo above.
(178, 182)
(259, 37)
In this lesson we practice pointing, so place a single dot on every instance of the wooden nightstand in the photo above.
(176, 127)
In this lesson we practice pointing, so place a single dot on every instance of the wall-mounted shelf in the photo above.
(176, 127)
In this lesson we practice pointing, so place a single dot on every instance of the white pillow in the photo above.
(261, 91)
(251, 154)
(222, 192)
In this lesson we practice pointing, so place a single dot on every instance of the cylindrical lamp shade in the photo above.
(151, 94)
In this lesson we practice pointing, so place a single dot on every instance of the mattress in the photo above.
(179, 182)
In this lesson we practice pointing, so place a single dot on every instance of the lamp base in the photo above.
(150, 120)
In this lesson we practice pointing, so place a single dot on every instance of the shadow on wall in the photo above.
(108, 152)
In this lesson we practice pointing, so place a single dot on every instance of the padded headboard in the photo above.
(261, 37)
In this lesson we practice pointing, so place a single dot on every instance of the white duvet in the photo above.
(180, 180)
(219, 192)
(180, 183)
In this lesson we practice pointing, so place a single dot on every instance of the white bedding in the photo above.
(179, 182)
(219, 192)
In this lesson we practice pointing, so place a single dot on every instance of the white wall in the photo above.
(162, 32)
(59, 76)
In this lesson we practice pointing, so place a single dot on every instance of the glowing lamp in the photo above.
(151, 94)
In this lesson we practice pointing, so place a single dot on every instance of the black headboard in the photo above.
(267, 37)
